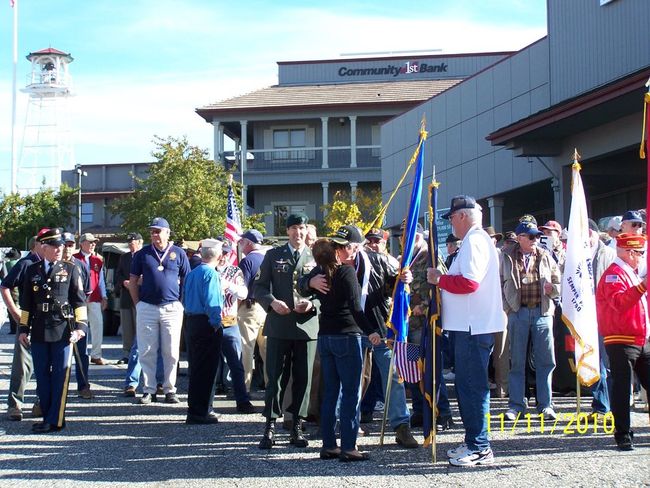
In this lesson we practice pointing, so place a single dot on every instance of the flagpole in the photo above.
(14, 166)
(578, 388)
(389, 383)
(434, 439)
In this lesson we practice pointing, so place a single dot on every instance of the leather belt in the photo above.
(47, 307)
(530, 305)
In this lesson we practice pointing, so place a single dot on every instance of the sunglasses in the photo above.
(636, 224)
(637, 252)
(530, 236)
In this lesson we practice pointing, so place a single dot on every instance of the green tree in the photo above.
(343, 211)
(22, 216)
(185, 187)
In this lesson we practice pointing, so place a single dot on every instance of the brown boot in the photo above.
(404, 438)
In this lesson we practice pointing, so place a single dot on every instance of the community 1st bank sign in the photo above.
(408, 68)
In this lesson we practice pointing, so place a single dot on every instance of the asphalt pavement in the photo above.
(111, 441)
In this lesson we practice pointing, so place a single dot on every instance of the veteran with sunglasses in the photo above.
(530, 280)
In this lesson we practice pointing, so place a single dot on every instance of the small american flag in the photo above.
(233, 225)
(407, 358)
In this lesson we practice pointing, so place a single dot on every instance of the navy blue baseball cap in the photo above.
(253, 235)
(159, 223)
(527, 228)
(460, 202)
(632, 216)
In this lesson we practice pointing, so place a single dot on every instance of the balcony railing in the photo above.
(312, 158)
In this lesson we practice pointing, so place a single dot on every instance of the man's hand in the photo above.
(375, 339)
(76, 336)
(125, 283)
(548, 288)
(433, 275)
(417, 311)
(406, 276)
(303, 306)
(24, 339)
(319, 283)
(280, 307)
(15, 313)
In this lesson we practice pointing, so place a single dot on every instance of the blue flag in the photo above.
(398, 319)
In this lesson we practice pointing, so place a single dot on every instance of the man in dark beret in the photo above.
(291, 329)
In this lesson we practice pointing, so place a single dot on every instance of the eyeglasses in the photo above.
(69, 244)
(636, 252)
(531, 237)
(636, 224)
(373, 240)
(155, 231)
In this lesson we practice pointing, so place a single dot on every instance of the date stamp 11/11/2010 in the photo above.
(567, 423)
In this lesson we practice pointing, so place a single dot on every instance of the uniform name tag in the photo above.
(611, 279)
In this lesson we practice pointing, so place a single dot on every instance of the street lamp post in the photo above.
(80, 173)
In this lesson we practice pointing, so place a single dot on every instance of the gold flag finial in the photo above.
(576, 159)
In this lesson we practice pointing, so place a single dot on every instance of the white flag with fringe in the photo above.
(578, 293)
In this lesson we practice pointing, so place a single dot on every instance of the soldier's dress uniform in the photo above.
(47, 298)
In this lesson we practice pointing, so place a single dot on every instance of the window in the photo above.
(280, 214)
(87, 211)
(289, 138)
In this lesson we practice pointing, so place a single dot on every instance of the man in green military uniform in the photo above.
(291, 329)
(53, 318)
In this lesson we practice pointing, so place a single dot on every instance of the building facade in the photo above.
(507, 134)
(319, 130)
(100, 185)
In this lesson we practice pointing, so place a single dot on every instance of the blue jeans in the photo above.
(521, 324)
(81, 363)
(133, 368)
(231, 349)
(341, 360)
(472, 354)
(398, 411)
(600, 390)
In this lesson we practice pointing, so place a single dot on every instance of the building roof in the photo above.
(48, 52)
(286, 98)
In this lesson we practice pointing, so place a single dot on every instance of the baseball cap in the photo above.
(68, 237)
(614, 223)
(459, 202)
(159, 223)
(133, 236)
(347, 234)
(87, 237)
(632, 216)
(527, 228)
(551, 225)
(253, 235)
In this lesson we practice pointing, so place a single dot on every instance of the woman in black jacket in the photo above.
(342, 323)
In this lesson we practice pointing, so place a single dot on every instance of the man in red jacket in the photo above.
(622, 307)
(97, 301)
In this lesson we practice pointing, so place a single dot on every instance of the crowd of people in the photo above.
(308, 320)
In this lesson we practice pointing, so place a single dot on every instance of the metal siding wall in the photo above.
(593, 45)
(320, 73)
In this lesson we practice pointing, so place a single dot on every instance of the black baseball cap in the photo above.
(460, 202)
(347, 234)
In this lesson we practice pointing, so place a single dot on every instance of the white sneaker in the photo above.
(511, 415)
(474, 458)
(548, 413)
(379, 406)
(461, 450)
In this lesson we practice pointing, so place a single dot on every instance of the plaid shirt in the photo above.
(530, 291)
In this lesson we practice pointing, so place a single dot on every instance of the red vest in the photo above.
(96, 264)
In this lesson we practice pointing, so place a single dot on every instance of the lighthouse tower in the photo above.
(47, 145)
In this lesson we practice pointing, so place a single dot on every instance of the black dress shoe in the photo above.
(210, 418)
(247, 408)
(625, 442)
(366, 418)
(44, 428)
(416, 420)
(330, 453)
(444, 423)
(297, 436)
(268, 440)
(349, 457)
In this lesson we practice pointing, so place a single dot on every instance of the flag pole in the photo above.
(645, 141)
(432, 325)
(576, 156)
(14, 163)
(389, 383)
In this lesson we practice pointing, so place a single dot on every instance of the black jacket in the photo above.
(380, 287)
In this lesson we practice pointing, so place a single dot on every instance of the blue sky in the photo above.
(141, 67)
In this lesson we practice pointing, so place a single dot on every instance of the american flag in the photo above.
(233, 225)
(407, 357)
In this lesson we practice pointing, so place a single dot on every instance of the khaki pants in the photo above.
(159, 326)
(127, 324)
(501, 362)
(251, 324)
(96, 325)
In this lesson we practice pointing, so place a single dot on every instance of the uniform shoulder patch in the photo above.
(612, 279)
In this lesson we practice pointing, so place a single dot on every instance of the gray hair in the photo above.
(209, 253)
(474, 215)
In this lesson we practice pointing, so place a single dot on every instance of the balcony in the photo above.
(312, 158)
